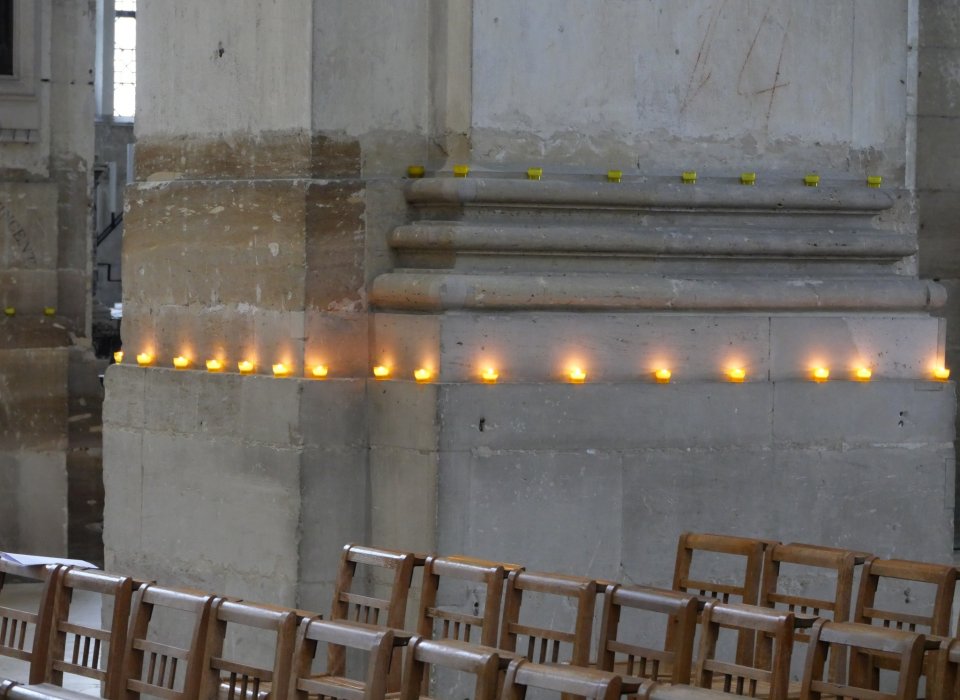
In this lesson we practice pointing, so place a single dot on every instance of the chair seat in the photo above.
(48, 690)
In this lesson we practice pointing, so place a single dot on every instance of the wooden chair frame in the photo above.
(482, 662)
(681, 609)
(568, 680)
(14, 623)
(458, 625)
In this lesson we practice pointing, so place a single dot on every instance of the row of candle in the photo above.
(490, 375)
(687, 177)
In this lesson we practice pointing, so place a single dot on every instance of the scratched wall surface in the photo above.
(714, 83)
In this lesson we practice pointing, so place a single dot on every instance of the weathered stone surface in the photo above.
(42, 502)
(33, 399)
(403, 498)
(938, 144)
(335, 246)
(939, 23)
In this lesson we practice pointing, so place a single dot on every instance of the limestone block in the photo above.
(939, 93)
(835, 414)
(340, 341)
(333, 413)
(42, 502)
(403, 498)
(170, 400)
(124, 399)
(603, 416)
(550, 510)
(407, 342)
(938, 147)
(402, 414)
(893, 347)
(28, 222)
(33, 399)
(270, 411)
(219, 404)
(939, 248)
(123, 489)
(9, 512)
(28, 290)
(335, 246)
(940, 23)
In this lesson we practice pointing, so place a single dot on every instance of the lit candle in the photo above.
(245, 367)
(118, 356)
(863, 374)
(381, 372)
(10, 311)
(49, 311)
(422, 375)
(736, 374)
(663, 375)
(319, 371)
(280, 370)
(490, 375)
(214, 365)
(941, 373)
(181, 362)
(576, 375)
(821, 374)
(144, 359)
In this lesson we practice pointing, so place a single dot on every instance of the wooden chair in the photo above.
(377, 642)
(543, 644)
(838, 562)
(18, 625)
(91, 651)
(935, 620)
(161, 669)
(479, 661)
(745, 589)
(685, 692)
(950, 670)
(567, 680)
(752, 680)
(232, 679)
(446, 622)
(905, 649)
(16, 691)
(670, 662)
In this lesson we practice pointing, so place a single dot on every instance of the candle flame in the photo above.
(941, 373)
(490, 375)
(144, 359)
(181, 362)
(118, 356)
(576, 375)
(245, 367)
(863, 374)
(663, 375)
(214, 365)
(821, 374)
(736, 374)
(381, 372)
(280, 370)
(422, 375)
(319, 371)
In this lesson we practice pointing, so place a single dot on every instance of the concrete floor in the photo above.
(85, 609)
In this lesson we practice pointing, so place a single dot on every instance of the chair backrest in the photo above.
(89, 650)
(17, 626)
(685, 692)
(240, 679)
(745, 678)
(348, 604)
(859, 640)
(814, 559)
(421, 654)
(543, 644)
(447, 622)
(936, 620)
(377, 642)
(642, 661)
(746, 589)
(568, 680)
(951, 670)
(164, 669)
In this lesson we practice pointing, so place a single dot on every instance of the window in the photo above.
(6, 37)
(124, 58)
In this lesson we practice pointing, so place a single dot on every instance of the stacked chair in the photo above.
(502, 631)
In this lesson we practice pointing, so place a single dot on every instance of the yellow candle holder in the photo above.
(10, 311)
(736, 374)
(181, 362)
(820, 374)
(941, 373)
(416, 171)
(144, 359)
(811, 180)
(862, 374)
(246, 367)
(461, 170)
(319, 371)
(422, 375)
(214, 365)
(534, 173)
(576, 375)
(381, 371)
(688, 177)
(280, 369)
(748, 178)
(614, 175)
(874, 181)
(49, 311)
(118, 356)
(490, 376)
(662, 375)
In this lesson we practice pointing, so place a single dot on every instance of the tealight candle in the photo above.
(144, 359)
(821, 374)
(663, 375)
(245, 367)
(534, 173)
(689, 177)
(319, 371)
(941, 373)
(214, 365)
(415, 171)
(10, 311)
(381, 372)
(863, 374)
(811, 180)
(49, 311)
(614, 175)
(118, 356)
(736, 374)
(576, 375)
(461, 170)
(490, 375)
(181, 362)
(280, 369)
(422, 375)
